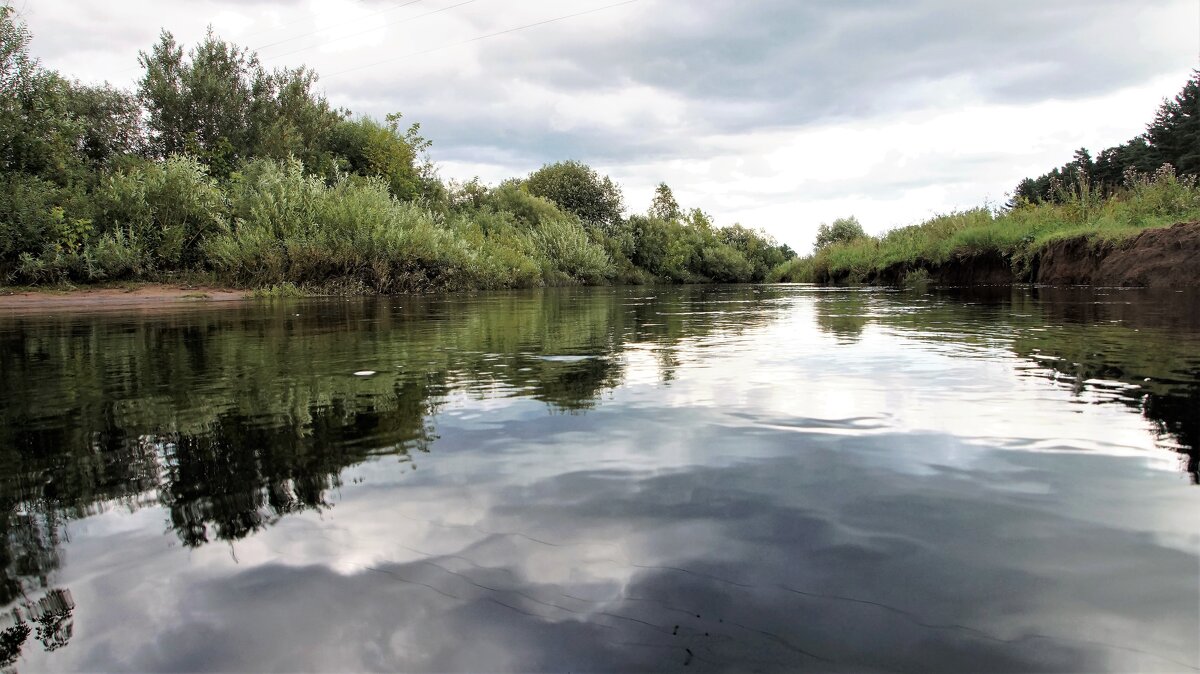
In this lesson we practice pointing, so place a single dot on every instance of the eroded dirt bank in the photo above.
(1156, 258)
(1166, 257)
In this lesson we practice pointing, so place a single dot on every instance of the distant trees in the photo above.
(840, 230)
(1173, 137)
(687, 247)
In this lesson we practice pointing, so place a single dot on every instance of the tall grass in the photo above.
(1016, 234)
(292, 227)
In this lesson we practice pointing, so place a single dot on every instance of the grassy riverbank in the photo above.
(1016, 235)
(215, 167)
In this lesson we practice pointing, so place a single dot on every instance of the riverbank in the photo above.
(1166, 257)
(1156, 258)
(1147, 235)
(1159, 257)
(116, 297)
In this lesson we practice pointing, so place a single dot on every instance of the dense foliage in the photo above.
(1172, 138)
(218, 168)
(840, 230)
(1015, 234)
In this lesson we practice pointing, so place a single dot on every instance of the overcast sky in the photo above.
(778, 114)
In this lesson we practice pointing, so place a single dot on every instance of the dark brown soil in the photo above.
(1157, 258)
(976, 269)
(969, 269)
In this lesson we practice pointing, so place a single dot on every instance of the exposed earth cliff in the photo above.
(1156, 258)
(1167, 257)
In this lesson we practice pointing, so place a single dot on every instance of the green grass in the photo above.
(1017, 234)
(278, 291)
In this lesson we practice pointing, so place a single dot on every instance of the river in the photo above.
(724, 478)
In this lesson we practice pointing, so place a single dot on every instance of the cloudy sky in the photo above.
(777, 114)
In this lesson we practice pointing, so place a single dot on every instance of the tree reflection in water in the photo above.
(232, 419)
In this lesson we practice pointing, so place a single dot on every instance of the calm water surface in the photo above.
(669, 479)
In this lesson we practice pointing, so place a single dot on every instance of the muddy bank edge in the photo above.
(1167, 257)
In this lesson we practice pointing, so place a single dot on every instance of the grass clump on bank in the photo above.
(1016, 234)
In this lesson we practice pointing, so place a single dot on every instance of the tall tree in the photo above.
(578, 189)
(664, 206)
(1173, 137)
(1174, 134)
(204, 104)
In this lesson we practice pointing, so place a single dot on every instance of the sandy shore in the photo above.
(145, 296)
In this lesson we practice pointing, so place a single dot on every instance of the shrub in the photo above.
(118, 254)
(569, 250)
(38, 217)
(724, 264)
(841, 230)
(168, 207)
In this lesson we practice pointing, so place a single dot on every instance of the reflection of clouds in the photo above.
(980, 392)
(787, 499)
(820, 554)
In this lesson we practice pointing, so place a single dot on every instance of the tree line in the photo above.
(1173, 137)
(215, 167)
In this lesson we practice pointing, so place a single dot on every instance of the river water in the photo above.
(753, 478)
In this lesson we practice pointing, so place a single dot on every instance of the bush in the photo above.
(569, 250)
(724, 264)
(168, 207)
(370, 149)
(39, 218)
(118, 254)
(289, 227)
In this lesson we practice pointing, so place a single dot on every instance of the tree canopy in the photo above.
(840, 230)
(1172, 137)
(577, 188)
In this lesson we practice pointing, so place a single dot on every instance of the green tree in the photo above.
(578, 189)
(367, 148)
(19, 78)
(759, 248)
(1174, 134)
(110, 125)
(37, 131)
(201, 105)
(289, 119)
(840, 230)
(664, 206)
(651, 240)
(1173, 137)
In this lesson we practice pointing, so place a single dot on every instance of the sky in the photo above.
(776, 114)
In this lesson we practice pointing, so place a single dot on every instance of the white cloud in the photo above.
(892, 172)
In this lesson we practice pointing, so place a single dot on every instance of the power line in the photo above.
(370, 30)
(481, 37)
(344, 23)
(288, 24)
